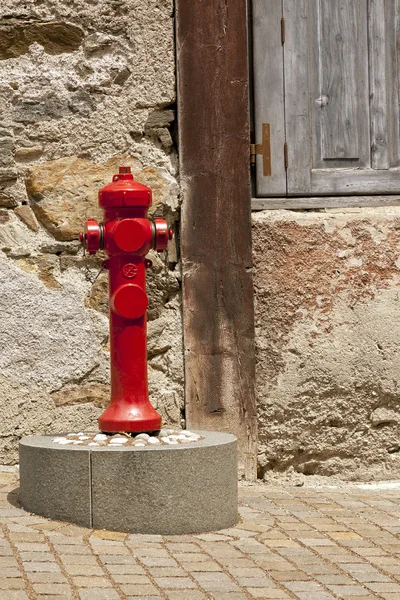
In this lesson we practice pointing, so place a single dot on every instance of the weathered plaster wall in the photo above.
(84, 86)
(327, 288)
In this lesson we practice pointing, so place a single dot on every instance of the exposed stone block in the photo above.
(16, 37)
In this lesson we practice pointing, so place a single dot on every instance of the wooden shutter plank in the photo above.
(339, 87)
(357, 181)
(268, 92)
(297, 111)
(393, 82)
(378, 84)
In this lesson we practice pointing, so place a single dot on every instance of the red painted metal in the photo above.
(127, 235)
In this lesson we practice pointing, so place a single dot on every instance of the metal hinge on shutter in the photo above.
(264, 149)
(285, 154)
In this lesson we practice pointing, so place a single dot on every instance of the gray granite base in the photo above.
(187, 488)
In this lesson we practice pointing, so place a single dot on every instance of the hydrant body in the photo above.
(127, 235)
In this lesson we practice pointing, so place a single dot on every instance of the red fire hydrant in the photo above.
(127, 235)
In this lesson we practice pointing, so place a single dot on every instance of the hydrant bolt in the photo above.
(127, 235)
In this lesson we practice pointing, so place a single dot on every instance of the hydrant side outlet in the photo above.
(127, 235)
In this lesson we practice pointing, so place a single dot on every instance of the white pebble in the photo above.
(181, 437)
(187, 432)
(92, 444)
(77, 442)
(63, 442)
(72, 434)
(153, 440)
(173, 442)
(83, 437)
(100, 437)
(170, 431)
(163, 433)
(140, 444)
(57, 440)
(142, 436)
(173, 437)
(118, 441)
(80, 433)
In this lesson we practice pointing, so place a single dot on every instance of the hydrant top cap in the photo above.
(124, 191)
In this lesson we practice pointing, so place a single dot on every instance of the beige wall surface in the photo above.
(84, 87)
(327, 294)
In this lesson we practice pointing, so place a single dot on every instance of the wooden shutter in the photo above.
(340, 97)
(269, 92)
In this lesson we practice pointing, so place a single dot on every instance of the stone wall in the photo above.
(84, 87)
(328, 342)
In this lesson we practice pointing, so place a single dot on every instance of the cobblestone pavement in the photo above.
(292, 542)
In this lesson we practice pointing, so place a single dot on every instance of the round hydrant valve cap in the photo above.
(129, 235)
(129, 301)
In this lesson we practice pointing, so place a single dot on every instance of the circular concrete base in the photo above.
(188, 488)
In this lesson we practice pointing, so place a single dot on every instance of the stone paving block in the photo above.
(169, 571)
(173, 583)
(269, 593)
(130, 579)
(384, 588)
(314, 596)
(340, 579)
(72, 549)
(348, 590)
(370, 577)
(303, 586)
(229, 596)
(186, 595)
(86, 570)
(52, 588)
(192, 557)
(55, 597)
(79, 559)
(125, 569)
(11, 583)
(145, 598)
(289, 576)
(182, 547)
(138, 590)
(7, 561)
(110, 550)
(158, 562)
(36, 556)
(98, 594)
(254, 582)
(116, 559)
(91, 582)
(45, 567)
(9, 571)
(196, 567)
(32, 547)
(47, 578)
(216, 581)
